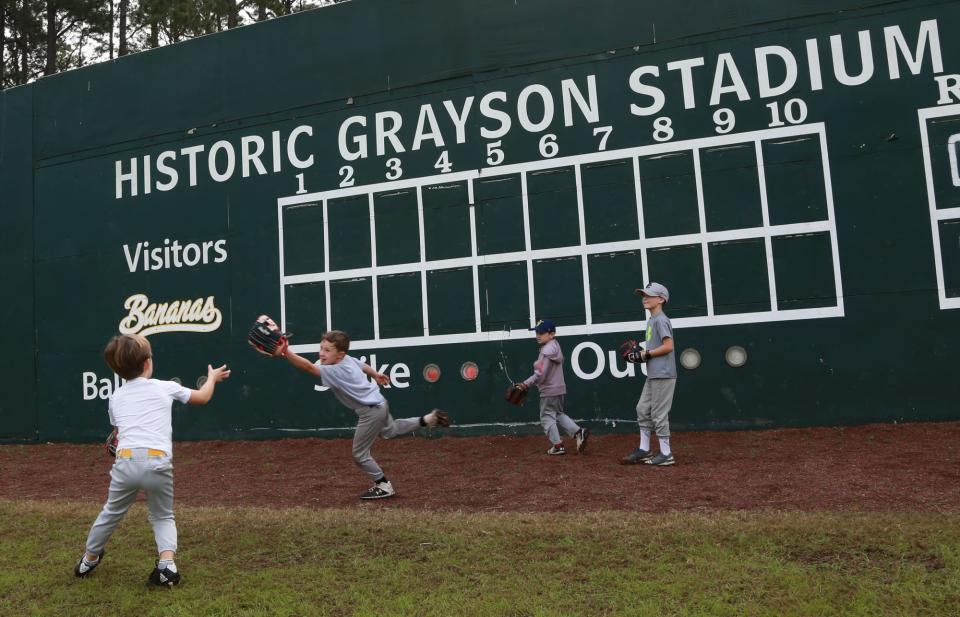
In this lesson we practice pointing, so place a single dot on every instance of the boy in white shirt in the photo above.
(140, 411)
(347, 379)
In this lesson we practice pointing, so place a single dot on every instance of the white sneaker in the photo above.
(582, 436)
(379, 490)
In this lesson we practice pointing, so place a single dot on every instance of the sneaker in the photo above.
(637, 456)
(557, 450)
(661, 460)
(163, 578)
(82, 569)
(379, 491)
(436, 418)
(582, 436)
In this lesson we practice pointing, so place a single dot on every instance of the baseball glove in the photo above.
(111, 443)
(517, 394)
(631, 351)
(265, 336)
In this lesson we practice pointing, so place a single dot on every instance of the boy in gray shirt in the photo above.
(653, 408)
(347, 379)
(548, 377)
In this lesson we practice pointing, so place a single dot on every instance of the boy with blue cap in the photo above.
(548, 377)
(653, 408)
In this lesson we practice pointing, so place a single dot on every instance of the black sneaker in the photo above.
(436, 417)
(581, 436)
(380, 490)
(163, 578)
(637, 456)
(82, 569)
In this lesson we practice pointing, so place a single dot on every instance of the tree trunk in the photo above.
(110, 56)
(24, 60)
(233, 17)
(51, 67)
(3, 43)
(154, 33)
(124, 7)
(262, 14)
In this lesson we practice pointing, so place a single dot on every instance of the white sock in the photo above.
(645, 440)
(168, 564)
(664, 445)
(86, 566)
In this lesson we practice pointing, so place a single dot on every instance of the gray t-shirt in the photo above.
(349, 384)
(661, 367)
(548, 370)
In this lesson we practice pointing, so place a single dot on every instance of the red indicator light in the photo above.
(431, 373)
(469, 371)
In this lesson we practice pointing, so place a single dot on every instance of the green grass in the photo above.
(368, 561)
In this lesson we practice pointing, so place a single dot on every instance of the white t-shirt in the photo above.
(140, 409)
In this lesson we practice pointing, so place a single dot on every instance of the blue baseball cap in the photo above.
(544, 325)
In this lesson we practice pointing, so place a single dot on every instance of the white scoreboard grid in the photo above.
(766, 232)
(941, 214)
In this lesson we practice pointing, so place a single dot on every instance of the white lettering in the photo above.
(522, 113)
(725, 64)
(588, 107)
(89, 386)
(866, 58)
(146, 175)
(949, 87)
(459, 120)
(95, 387)
(813, 60)
(130, 177)
(397, 372)
(893, 37)
(613, 358)
(952, 152)
(227, 147)
(494, 114)
(191, 154)
(659, 99)
(433, 134)
(247, 156)
(292, 147)
(183, 316)
(686, 78)
(575, 360)
(763, 72)
(168, 171)
(360, 140)
(132, 261)
(385, 134)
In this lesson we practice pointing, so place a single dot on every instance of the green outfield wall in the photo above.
(434, 176)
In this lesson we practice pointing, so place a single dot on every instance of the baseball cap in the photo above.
(654, 289)
(544, 325)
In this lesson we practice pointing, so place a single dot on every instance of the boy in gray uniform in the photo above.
(548, 377)
(656, 399)
(140, 410)
(347, 379)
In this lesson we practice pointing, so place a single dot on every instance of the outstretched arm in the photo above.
(301, 363)
(379, 377)
(205, 393)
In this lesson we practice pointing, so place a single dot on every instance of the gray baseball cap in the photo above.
(654, 289)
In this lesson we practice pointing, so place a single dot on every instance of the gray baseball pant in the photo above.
(153, 474)
(653, 408)
(374, 422)
(552, 414)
